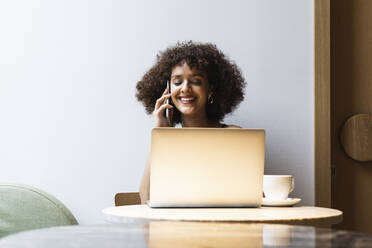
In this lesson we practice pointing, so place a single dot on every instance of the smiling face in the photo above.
(190, 90)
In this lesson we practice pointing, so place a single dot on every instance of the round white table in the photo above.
(313, 216)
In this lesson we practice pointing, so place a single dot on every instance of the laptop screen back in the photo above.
(206, 167)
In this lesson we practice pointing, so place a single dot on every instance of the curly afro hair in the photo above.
(223, 75)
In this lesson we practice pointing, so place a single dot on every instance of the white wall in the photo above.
(69, 121)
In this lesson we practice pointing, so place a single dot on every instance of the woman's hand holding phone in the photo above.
(160, 120)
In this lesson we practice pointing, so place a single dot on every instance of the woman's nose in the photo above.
(185, 86)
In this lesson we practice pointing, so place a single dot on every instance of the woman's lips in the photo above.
(187, 99)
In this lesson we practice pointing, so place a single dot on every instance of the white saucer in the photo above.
(280, 203)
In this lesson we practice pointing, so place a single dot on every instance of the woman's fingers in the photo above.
(160, 106)
(161, 100)
(165, 91)
(163, 107)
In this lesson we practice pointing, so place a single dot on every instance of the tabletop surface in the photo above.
(285, 215)
(185, 234)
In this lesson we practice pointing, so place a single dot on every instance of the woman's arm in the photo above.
(159, 121)
(144, 190)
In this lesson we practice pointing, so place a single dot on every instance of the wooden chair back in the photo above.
(122, 199)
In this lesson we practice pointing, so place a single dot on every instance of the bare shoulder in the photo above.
(233, 126)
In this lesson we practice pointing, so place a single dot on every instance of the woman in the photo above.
(204, 86)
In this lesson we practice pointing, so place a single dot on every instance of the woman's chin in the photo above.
(190, 109)
(187, 111)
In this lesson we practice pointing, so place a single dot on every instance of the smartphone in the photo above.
(168, 101)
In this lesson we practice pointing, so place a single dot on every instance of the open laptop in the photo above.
(206, 167)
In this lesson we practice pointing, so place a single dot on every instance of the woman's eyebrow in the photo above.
(176, 76)
(192, 75)
(197, 75)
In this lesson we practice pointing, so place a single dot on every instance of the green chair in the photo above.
(24, 208)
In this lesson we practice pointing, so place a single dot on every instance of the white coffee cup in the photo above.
(277, 187)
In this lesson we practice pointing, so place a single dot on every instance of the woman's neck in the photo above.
(196, 121)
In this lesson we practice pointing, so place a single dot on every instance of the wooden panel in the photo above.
(351, 94)
(322, 139)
